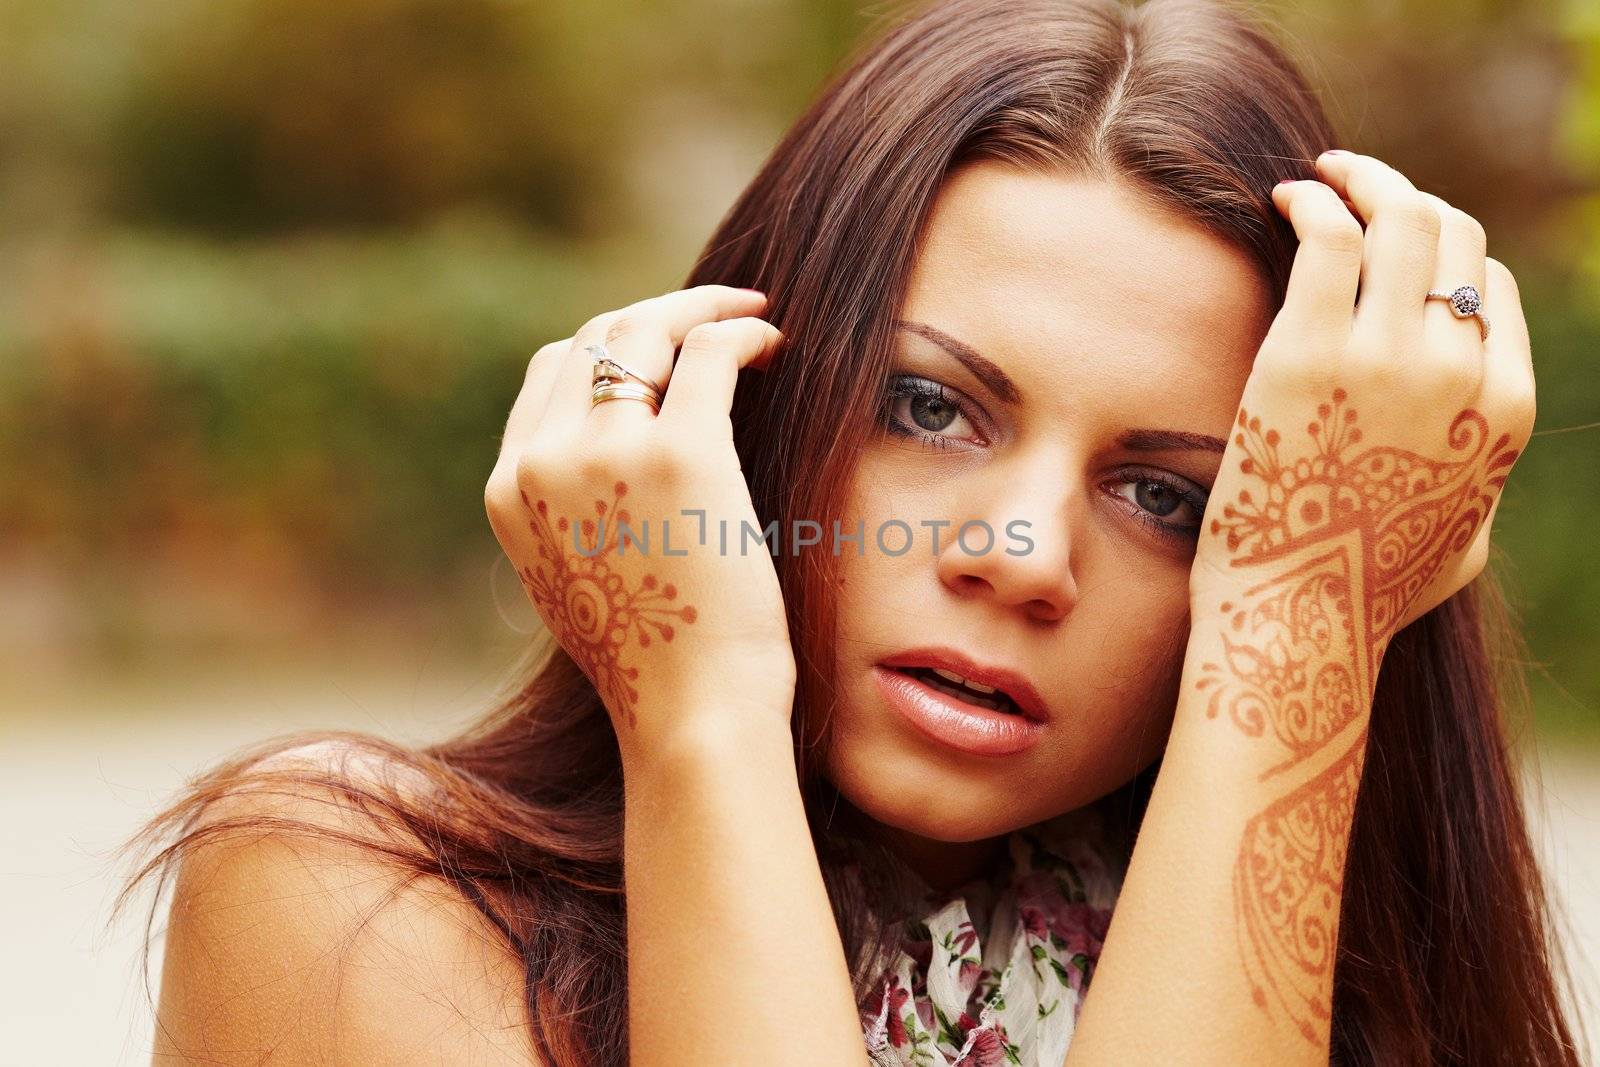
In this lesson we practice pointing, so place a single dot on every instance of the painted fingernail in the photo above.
(1285, 181)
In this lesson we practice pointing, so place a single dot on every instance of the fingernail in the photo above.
(1285, 181)
(1336, 152)
(758, 292)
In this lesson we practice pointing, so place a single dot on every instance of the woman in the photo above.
(1030, 286)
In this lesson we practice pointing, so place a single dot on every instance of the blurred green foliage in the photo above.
(257, 387)
(374, 112)
(271, 270)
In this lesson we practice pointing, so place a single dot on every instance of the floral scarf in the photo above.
(992, 974)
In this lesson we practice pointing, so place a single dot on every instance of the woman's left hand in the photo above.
(1373, 438)
(1356, 493)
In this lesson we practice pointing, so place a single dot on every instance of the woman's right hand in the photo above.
(1376, 434)
(679, 637)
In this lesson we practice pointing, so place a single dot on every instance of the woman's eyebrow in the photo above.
(993, 378)
(1170, 441)
(1000, 384)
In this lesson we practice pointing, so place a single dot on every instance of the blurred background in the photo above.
(270, 274)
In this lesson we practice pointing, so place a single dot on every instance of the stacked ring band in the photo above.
(625, 391)
(1464, 302)
(611, 381)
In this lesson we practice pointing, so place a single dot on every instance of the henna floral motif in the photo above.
(1291, 674)
(587, 604)
(1334, 546)
(1405, 513)
(1287, 884)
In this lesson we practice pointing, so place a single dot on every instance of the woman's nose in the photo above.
(1021, 559)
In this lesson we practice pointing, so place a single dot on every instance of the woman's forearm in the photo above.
(1224, 934)
(731, 938)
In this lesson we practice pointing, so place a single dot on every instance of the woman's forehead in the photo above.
(1089, 297)
(1048, 260)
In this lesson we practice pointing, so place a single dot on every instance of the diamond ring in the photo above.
(607, 369)
(1464, 303)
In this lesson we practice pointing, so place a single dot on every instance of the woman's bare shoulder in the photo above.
(293, 944)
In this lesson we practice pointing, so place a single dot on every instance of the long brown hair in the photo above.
(1445, 951)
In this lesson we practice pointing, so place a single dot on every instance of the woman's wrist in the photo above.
(728, 914)
(1261, 642)
(739, 717)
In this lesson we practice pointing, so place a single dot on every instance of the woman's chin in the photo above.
(925, 798)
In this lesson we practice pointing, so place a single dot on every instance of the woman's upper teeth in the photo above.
(952, 676)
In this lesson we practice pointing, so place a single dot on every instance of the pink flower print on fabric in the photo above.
(995, 972)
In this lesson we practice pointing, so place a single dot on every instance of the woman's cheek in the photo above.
(1126, 654)
(1151, 687)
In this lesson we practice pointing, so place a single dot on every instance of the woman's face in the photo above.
(1052, 317)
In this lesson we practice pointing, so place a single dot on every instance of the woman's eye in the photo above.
(1173, 508)
(917, 407)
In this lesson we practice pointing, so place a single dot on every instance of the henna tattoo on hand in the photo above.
(587, 604)
(1334, 547)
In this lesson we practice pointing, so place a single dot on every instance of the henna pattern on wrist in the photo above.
(1332, 549)
(587, 604)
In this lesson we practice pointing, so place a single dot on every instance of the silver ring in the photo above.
(608, 369)
(1464, 303)
(625, 391)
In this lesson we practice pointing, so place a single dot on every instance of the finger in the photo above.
(708, 370)
(534, 397)
(1327, 266)
(1508, 382)
(1462, 248)
(1402, 239)
(643, 337)
(526, 410)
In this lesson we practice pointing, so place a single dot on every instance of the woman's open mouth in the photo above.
(957, 714)
(985, 696)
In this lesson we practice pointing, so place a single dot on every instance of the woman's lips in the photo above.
(1014, 683)
(954, 722)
